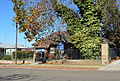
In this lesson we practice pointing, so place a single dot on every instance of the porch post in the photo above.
(34, 55)
(105, 53)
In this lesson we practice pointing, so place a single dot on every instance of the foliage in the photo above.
(87, 36)
(5, 57)
(1, 57)
(111, 20)
(35, 18)
(85, 31)
(23, 54)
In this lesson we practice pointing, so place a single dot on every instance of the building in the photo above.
(56, 45)
(7, 49)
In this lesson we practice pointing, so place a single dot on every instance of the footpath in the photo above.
(51, 66)
(114, 66)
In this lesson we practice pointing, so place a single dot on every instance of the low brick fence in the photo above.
(77, 62)
(67, 62)
(83, 62)
(13, 62)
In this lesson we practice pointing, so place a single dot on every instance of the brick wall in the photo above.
(77, 62)
(12, 62)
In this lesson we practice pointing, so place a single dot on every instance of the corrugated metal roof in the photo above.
(2, 45)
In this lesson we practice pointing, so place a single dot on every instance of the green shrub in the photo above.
(1, 57)
(6, 57)
(23, 54)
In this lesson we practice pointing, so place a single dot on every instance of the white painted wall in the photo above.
(9, 51)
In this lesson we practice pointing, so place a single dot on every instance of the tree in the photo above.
(111, 20)
(85, 31)
(35, 18)
(87, 36)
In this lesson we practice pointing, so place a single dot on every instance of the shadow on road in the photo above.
(14, 77)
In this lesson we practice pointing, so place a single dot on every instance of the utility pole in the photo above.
(16, 43)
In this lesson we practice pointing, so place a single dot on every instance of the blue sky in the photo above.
(7, 27)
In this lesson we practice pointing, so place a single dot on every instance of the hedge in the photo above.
(23, 54)
(5, 57)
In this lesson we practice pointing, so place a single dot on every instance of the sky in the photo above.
(7, 27)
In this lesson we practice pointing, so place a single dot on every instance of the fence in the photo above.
(114, 53)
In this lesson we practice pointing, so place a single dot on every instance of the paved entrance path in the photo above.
(114, 66)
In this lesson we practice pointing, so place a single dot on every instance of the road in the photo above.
(8, 74)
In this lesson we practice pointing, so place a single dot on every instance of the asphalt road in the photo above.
(56, 75)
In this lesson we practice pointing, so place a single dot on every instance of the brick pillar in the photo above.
(105, 53)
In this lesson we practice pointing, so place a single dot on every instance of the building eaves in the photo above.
(2, 45)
